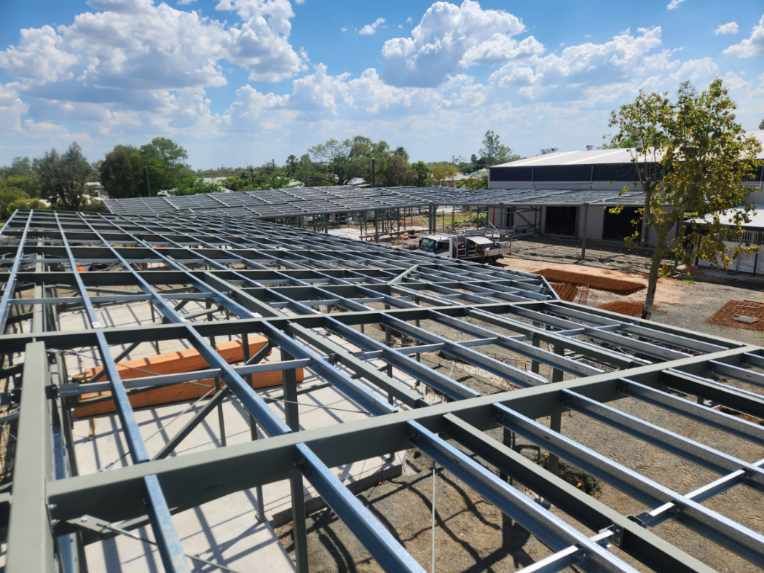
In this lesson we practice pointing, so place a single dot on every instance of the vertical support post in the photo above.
(431, 223)
(508, 439)
(299, 530)
(555, 419)
(30, 540)
(756, 259)
(583, 231)
(221, 417)
(535, 363)
(253, 427)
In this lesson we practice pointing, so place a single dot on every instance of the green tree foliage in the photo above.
(692, 158)
(423, 173)
(165, 164)
(62, 177)
(493, 150)
(375, 162)
(129, 171)
(193, 185)
(442, 170)
(122, 172)
(267, 176)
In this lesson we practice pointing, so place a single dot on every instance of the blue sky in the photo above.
(245, 81)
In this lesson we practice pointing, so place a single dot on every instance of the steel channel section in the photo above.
(684, 447)
(537, 388)
(599, 326)
(170, 546)
(548, 528)
(635, 539)
(736, 534)
(287, 343)
(352, 507)
(10, 283)
(30, 540)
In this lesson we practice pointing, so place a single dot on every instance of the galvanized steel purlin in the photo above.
(311, 295)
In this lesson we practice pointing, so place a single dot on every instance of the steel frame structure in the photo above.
(365, 319)
(313, 201)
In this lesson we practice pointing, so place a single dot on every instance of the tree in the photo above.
(122, 172)
(442, 171)
(129, 171)
(422, 173)
(691, 158)
(62, 177)
(165, 164)
(493, 151)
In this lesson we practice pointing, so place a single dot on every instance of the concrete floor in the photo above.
(225, 531)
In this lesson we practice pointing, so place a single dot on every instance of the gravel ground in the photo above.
(679, 302)
(468, 530)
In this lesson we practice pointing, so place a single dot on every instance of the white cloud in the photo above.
(11, 109)
(371, 28)
(500, 48)
(674, 4)
(750, 46)
(133, 69)
(622, 58)
(132, 63)
(261, 43)
(446, 33)
(727, 29)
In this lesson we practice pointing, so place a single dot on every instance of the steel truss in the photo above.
(367, 320)
(313, 201)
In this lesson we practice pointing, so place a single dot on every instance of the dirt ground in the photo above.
(468, 530)
(679, 302)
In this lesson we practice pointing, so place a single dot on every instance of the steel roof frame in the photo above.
(312, 201)
(312, 295)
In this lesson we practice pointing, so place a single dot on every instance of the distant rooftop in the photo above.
(591, 157)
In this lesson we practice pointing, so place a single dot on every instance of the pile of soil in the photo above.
(566, 291)
(595, 281)
(750, 312)
(627, 307)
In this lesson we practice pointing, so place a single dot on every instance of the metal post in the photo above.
(583, 230)
(555, 419)
(299, 530)
(508, 439)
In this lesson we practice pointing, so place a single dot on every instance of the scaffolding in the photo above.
(360, 317)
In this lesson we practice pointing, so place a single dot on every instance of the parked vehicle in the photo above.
(476, 247)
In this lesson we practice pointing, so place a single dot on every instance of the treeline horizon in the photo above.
(61, 178)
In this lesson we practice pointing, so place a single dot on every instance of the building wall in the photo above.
(744, 263)
(593, 227)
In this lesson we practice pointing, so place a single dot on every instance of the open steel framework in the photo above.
(317, 298)
(309, 201)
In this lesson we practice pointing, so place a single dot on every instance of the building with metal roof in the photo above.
(569, 194)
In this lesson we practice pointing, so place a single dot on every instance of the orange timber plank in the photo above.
(188, 360)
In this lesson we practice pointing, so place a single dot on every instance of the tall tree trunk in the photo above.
(655, 267)
(652, 284)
